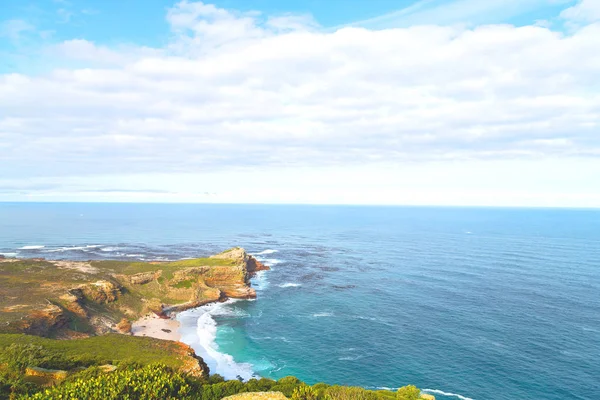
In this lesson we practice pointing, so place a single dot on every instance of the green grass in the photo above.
(108, 349)
(184, 284)
(168, 268)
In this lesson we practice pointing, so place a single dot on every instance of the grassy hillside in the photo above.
(98, 350)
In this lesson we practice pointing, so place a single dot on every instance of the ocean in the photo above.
(468, 303)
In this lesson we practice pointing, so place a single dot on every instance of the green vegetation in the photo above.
(22, 351)
(126, 367)
(160, 382)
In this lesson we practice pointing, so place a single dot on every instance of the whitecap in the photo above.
(289, 284)
(265, 252)
(109, 248)
(199, 330)
(259, 281)
(436, 391)
(350, 358)
(281, 338)
(134, 255)
(7, 254)
(323, 314)
(83, 248)
(34, 247)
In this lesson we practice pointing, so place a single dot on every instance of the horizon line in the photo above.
(589, 208)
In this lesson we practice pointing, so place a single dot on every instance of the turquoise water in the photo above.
(478, 302)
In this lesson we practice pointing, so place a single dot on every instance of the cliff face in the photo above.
(68, 299)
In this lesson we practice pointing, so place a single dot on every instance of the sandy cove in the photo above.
(154, 326)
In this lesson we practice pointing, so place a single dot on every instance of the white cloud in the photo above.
(242, 90)
(449, 12)
(583, 11)
(15, 28)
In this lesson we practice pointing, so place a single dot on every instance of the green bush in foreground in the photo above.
(142, 379)
(409, 392)
(146, 383)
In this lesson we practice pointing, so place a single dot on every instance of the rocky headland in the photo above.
(75, 299)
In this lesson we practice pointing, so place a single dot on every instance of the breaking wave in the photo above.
(265, 252)
(289, 284)
(322, 314)
(199, 330)
(84, 248)
(436, 391)
(34, 247)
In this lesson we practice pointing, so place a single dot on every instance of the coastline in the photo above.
(175, 325)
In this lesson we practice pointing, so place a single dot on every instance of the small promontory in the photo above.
(74, 299)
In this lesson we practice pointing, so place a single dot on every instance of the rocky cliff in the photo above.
(71, 299)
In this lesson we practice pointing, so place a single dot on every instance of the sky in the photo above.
(428, 102)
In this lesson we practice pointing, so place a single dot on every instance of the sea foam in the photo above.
(436, 391)
(199, 330)
(289, 284)
(323, 314)
(72, 248)
(265, 252)
(35, 247)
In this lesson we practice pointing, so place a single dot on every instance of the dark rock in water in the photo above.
(343, 287)
(166, 330)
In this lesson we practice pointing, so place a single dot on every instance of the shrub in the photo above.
(304, 393)
(349, 393)
(18, 357)
(150, 382)
(409, 392)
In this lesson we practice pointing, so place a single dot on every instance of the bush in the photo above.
(409, 392)
(19, 357)
(259, 385)
(12, 386)
(223, 389)
(304, 393)
(349, 393)
(150, 382)
(320, 388)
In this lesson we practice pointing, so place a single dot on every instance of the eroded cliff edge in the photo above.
(72, 299)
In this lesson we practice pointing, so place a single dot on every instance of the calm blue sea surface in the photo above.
(478, 302)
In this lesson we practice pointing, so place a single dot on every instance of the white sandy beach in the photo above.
(156, 327)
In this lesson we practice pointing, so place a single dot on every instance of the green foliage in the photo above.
(149, 382)
(260, 385)
(184, 284)
(222, 389)
(349, 393)
(19, 356)
(141, 373)
(68, 354)
(215, 378)
(409, 392)
(12, 385)
(304, 392)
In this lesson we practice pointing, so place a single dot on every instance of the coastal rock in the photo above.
(101, 291)
(124, 326)
(43, 322)
(91, 297)
(144, 277)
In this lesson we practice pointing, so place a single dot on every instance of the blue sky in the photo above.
(143, 21)
(454, 102)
